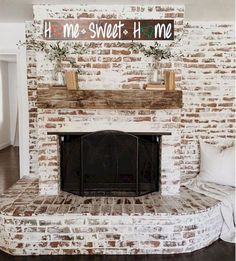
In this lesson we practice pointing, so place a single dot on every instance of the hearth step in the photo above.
(68, 224)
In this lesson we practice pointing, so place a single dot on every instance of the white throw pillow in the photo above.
(217, 165)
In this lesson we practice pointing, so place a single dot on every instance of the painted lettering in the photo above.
(47, 29)
(137, 30)
(71, 30)
(169, 31)
(106, 31)
(109, 29)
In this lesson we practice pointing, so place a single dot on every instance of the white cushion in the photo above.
(217, 165)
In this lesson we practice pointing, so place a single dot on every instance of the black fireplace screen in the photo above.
(110, 163)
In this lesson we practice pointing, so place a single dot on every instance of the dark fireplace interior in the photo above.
(109, 163)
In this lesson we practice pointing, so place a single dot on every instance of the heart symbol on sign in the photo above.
(148, 31)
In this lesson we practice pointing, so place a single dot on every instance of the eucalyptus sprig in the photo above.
(56, 51)
(157, 51)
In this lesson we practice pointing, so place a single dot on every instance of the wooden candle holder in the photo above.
(170, 80)
(71, 80)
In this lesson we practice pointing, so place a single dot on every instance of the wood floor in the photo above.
(9, 167)
(9, 174)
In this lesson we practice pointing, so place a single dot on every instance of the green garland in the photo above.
(56, 51)
(156, 51)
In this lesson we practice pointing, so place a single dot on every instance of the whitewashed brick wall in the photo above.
(205, 74)
(208, 86)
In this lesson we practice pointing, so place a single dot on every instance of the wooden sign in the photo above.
(86, 29)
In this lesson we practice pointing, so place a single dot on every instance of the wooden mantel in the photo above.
(60, 97)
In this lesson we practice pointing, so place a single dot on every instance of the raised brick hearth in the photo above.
(67, 224)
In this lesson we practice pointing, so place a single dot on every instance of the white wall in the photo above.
(11, 34)
(13, 102)
(4, 106)
(8, 105)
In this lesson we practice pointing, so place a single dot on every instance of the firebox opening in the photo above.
(109, 163)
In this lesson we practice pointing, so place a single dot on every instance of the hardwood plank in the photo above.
(108, 99)
(9, 167)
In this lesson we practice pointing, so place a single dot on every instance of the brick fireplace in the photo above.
(204, 74)
(107, 67)
(36, 217)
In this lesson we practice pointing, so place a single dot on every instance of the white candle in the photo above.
(155, 75)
